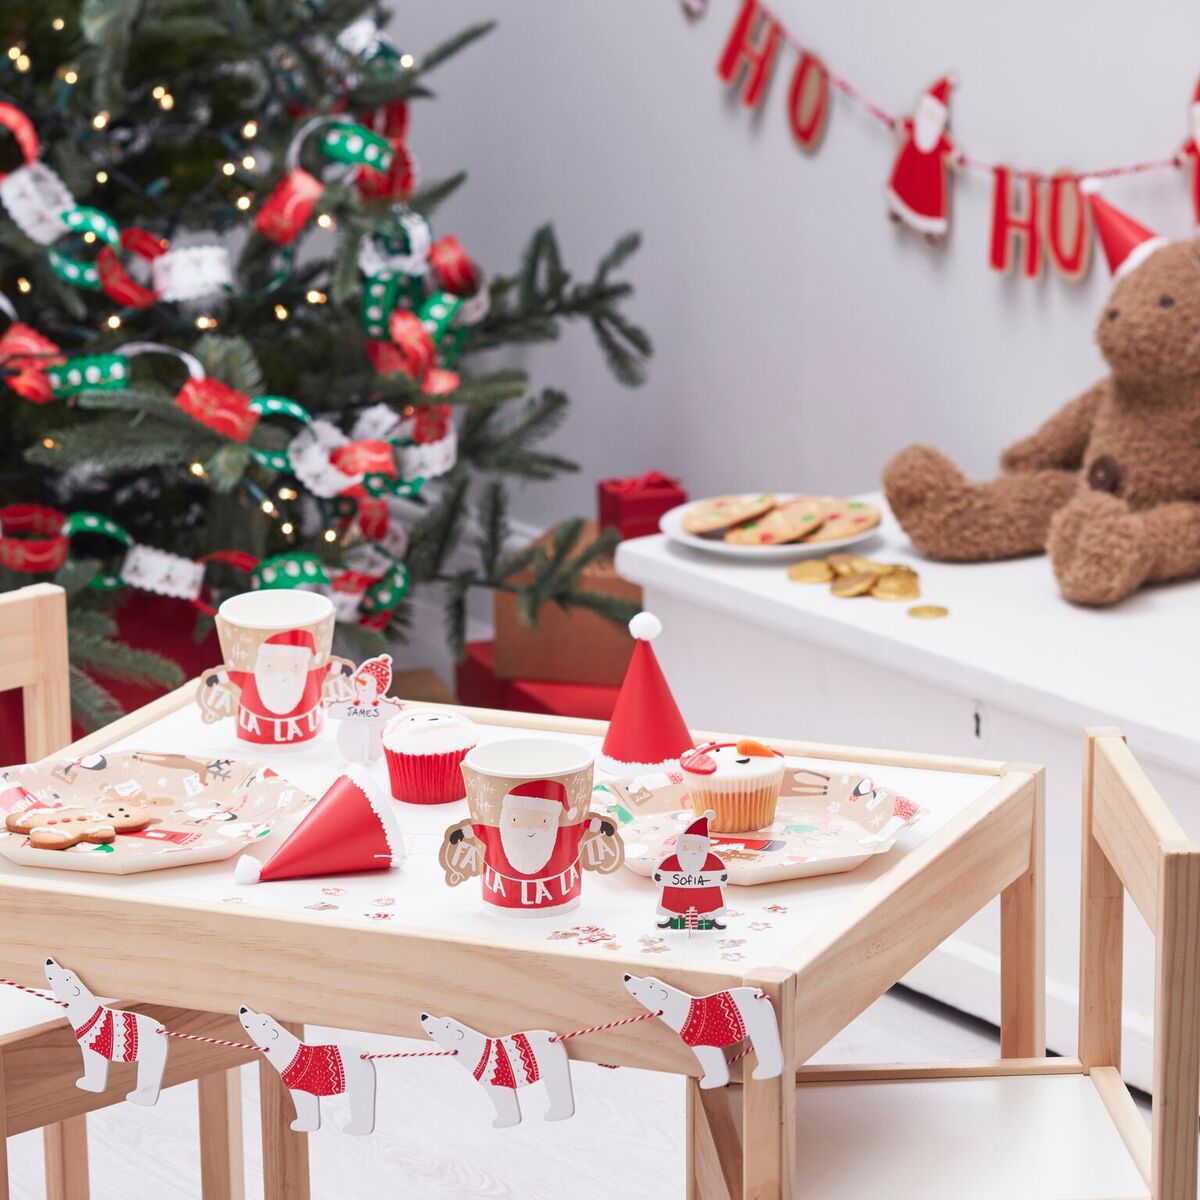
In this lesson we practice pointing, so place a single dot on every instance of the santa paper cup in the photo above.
(278, 670)
(531, 833)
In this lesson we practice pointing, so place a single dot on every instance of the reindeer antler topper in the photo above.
(806, 782)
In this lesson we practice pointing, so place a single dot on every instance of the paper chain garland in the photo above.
(288, 209)
(35, 539)
(502, 1065)
(419, 299)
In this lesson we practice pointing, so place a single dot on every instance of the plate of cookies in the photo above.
(771, 525)
(130, 811)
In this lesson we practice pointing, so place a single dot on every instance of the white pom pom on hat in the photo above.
(247, 869)
(645, 627)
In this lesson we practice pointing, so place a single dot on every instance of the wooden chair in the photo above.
(1042, 1128)
(39, 1060)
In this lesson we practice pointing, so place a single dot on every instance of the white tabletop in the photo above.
(617, 911)
(1010, 638)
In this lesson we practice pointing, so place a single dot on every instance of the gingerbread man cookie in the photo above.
(62, 828)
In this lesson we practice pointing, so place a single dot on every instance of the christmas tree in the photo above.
(239, 350)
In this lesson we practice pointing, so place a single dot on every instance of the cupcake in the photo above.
(424, 749)
(738, 781)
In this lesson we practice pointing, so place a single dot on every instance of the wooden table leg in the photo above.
(769, 1105)
(714, 1150)
(3, 1140)
(285, 1154)
(1023, 945)
(222, 1170)
(66, 1153)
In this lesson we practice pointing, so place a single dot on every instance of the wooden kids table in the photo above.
(822, 949)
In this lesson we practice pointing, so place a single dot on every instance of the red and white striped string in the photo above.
(209, 1041)
(413, 1054)
(880, 114)
(646, 1016)
(41, 995)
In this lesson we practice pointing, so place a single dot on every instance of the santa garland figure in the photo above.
(692, 879)
(918, 191)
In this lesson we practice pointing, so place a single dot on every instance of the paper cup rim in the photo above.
(548, 758)
(277, 608)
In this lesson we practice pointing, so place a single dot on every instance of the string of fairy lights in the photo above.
(240, 165)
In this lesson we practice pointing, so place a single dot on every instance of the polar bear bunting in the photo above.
(708, 1024)
(504, 1064)
(110, 1035)
(310, 1072)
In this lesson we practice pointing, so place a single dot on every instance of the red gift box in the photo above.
(633, 506)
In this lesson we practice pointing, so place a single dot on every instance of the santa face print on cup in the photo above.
(531, 834)
(278, 671)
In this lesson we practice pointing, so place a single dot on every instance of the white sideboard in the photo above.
(1014, 673)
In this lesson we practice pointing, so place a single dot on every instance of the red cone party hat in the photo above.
(646, 732)
(352, 827)
(1127, 243)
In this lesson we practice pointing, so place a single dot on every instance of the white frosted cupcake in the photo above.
(738, 781)
(424, 749)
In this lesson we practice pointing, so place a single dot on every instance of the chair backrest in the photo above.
(33, 658)
(1132, 843)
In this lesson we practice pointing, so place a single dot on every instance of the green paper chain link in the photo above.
(82, 219)
(289, 571)
(88, 372)
(357, 145)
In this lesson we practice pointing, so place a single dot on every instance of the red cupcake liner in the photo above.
(426, 778)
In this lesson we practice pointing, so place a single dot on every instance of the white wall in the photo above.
(800, 339)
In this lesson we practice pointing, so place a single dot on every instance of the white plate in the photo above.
(671, 523)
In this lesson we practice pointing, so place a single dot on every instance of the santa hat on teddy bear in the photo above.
(351, 828)
(646, 732)
(1127, 243)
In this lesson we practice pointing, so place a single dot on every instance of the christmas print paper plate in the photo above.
(824, 824)
(671, 524)
(132, 811)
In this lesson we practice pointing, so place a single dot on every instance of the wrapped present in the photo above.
(634, 505)
(568, 645)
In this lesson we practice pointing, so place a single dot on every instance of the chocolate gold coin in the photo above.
(858, 584)
(811, 570)
(900, 585)
(928, 612)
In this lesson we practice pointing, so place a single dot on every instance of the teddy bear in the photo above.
(1109, 486)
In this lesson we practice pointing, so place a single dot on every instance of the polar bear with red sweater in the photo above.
(710, 1024)
(504, 1064)
(312, 1071)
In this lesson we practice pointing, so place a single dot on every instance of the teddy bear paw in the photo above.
(1098, 550)
(923, 487)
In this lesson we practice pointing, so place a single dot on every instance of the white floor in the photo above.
(434, 1140)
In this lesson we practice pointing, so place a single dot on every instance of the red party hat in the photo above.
(351, 828)
(1127, 243)
(646, 731)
